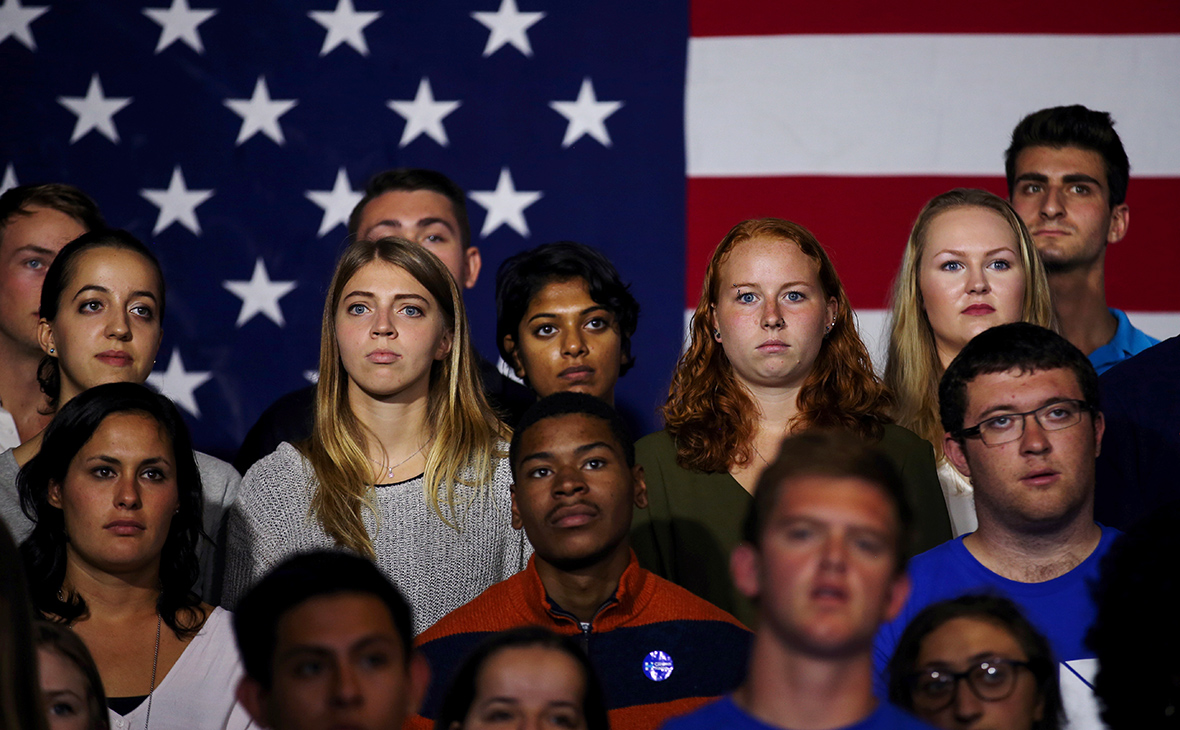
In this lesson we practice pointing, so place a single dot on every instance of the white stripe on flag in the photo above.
(916, 104)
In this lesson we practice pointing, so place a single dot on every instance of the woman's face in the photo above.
(567, 341)
(970, 276)
(107, 328)
(771, 313)
(389, 330)
(119, 495)
(66, 692)
(532, 687)
(960, 645)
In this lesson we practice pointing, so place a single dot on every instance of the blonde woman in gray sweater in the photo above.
(406, 462)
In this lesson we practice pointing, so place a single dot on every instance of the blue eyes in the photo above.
(410, 310)
(750, 297)
(996, 265)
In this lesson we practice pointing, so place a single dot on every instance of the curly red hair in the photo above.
(711, 416)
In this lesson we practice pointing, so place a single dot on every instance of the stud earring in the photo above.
(717, 334)
(51, 351)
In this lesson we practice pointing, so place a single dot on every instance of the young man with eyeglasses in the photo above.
(1020, 409)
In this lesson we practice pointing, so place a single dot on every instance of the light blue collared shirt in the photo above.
(1127, 341)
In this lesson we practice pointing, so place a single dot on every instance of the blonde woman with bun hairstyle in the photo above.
(406, 463)
(969, 265)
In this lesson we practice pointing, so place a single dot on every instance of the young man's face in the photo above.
(425, 217)
(28, 245)
(574, 492)
(1063, 196)
(1041, 479)
(825, 575)
(338, 662)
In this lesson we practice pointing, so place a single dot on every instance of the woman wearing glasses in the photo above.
(976, 662)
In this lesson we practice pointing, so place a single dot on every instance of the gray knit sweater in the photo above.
(219, 482)
(436, 567)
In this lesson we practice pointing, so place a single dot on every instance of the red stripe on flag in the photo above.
(864, 222)
(772, 17)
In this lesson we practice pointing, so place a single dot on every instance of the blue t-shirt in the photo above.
(724, 715)
(1127, 341)
(1062, 609)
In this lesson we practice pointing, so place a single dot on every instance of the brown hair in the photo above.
(61, 640)
(711, 416)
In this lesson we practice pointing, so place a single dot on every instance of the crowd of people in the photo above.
(979, 532)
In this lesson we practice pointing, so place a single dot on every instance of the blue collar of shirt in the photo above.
(1127, 341)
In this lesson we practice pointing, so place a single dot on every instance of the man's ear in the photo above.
(744, 568)
(517, 523)
(514, 357)
(955, 454)
(45, 336)
(474, 264)
(419, 681)
(252, 696)
(1099, 430)
(899, 592)
(640, 486)
(1120, 221)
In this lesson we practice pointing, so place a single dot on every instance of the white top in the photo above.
(436, 567)
(198, 692)
(9, 437)
(960, 497)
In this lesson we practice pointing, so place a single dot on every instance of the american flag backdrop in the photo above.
(234, 137)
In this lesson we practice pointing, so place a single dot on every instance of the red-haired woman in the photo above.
(774, 350)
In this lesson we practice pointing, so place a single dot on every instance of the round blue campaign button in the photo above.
(658, 666)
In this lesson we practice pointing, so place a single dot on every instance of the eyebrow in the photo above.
(34, 248)
(584, 448)
(422, 223)
(323, 651)
(396, 297)
(149, 461)
(1074, 177)
(1012, 409)
(994, 251)
(752, 285)
(102, 289)
(587, 310)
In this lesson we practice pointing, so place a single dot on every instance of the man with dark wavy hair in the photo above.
(1067, 178)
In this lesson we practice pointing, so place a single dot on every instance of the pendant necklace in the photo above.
(155, 662)
(389, 469)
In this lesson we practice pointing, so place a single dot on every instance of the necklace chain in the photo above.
(389, 469)
(155, 662)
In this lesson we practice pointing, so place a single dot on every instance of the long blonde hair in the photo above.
(712, 417)
(914, 368)
(466, 433)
